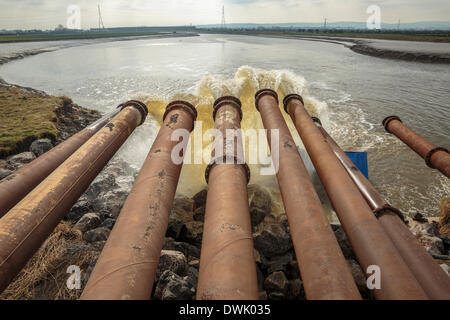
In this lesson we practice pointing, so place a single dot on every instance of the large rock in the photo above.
(172, 260)
(190, 252)
(180, 215)
(428, 229)
(295, 290)
(193, 233)
(282, 263)
(276, 282)
(20, 159)
(109, 204)
(272, 241)
(96, 235)
(108, 223)
(5, 173)
(259, 203)
(345, 245)
(174, 287)
(79, 209)
(41, 146)
(444, 222)
(199, 214)
(200, 199)
(88, 222)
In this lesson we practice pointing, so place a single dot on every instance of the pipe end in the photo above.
(140, 106)
(261, 93)
(289, 97)
(227, 100)
(387, 120)
(181, 105)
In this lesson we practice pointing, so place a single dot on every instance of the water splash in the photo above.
(246, 81)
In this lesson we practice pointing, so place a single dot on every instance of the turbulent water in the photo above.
(350, 93)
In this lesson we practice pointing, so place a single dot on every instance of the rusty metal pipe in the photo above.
(16, 186)
(227, 263)
(127, 265)
(324, 270)
(370, 243)
(435, 157)
(26, 226)
(434, 281)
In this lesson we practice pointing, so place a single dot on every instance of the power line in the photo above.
(223, 23)
(100, 20)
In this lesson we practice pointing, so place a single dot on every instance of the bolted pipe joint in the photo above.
(387, 120)
(264, 92)
(288, 98)
(227, 100)
(181, 105)
(140, 106)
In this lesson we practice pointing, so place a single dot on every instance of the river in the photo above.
(351, 93)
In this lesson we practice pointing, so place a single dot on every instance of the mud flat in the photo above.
(417, 51)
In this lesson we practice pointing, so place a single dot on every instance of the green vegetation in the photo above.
(25, 117)
(332, 33)
(73, 36)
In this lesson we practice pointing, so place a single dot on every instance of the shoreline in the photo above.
(4, 59)
(365, 47)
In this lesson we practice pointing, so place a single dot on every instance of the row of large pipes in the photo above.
(371, 244)
(127, 265)
(26, 226)
(432, 278)
(324, 270)
(435, 157)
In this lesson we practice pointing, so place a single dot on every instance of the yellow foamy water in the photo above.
(243, 85)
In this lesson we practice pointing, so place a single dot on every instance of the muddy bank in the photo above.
(17, 55)
(370, 47)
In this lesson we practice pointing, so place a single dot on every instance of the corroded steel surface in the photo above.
(127, 265)
(434, 280)
(16, 186)
(26, 226)
(435, 157)
(324, 270)
(370, 243)
(227, 263)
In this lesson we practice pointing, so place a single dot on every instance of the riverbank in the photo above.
(80, 237)
(58, 44)
(406, 50)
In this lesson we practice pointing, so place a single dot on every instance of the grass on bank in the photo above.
(74, 36)
(25, 117)
(383, 36)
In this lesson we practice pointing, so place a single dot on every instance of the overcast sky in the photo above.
(47, 14)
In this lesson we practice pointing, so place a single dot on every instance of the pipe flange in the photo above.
(389, 209)
(261, 93)
(236, 161)
(430, 154)
(387, 120)
(317, 121)
(289, 97)
(227, 100)
(142, 108)
(181, 105)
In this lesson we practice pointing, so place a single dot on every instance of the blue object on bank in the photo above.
(360, 160)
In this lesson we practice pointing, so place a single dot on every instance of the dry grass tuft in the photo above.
(44, 277)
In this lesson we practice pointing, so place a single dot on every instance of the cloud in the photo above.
(46, 14)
